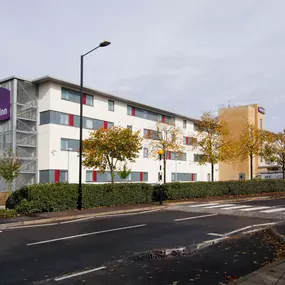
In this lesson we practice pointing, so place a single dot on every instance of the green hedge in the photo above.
(179, 191)
(63, 196)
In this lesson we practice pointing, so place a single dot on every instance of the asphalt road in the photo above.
(264, 208)
(39, 255)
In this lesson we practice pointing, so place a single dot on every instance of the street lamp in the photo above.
(68, 150)
(79, 201)
(160, 153)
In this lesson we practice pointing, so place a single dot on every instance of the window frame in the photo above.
(112, 104)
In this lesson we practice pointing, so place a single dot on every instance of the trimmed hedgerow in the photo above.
(62, 196)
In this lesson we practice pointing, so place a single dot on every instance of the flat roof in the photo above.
(48, 78)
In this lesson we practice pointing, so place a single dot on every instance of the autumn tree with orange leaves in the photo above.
(251, 144)
(106, 147)
(274, 149)
(168, 138)
(213, 140)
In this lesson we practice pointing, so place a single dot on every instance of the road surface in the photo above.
(83, 251)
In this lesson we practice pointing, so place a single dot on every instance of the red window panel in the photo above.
(105, 125)
(148, 134)
(187, 140)
(56, 175)
(141, 176)
(169, 155)
(193, 176)
(71, 120)
(133, 111)
(94, 176)
(163, 119)
(84, 99)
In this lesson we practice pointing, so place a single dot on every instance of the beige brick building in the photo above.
(237, 118)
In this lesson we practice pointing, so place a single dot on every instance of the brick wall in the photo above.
(3, 198)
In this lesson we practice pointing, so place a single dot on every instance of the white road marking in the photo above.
(273, 210)
(235, 207)
(219, 206)
(128, 214)
(245, 228)
(255, 209)
(67, 276)
(77, 220)
(32, 226)
(217, 235)
(87, 234)
(197, 217)
(201, 205)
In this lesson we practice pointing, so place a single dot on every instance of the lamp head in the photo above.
(104, 43)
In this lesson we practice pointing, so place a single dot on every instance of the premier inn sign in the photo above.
(4, 104)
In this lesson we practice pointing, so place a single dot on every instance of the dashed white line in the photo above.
(67, 276)
(197, 217)
(201, 205)
(219, 206)
(77, 220)
(235, 207)
(273, 210)
(87, 234)
(32, 226)
(255, 209)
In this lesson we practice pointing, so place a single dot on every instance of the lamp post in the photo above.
(79, 200)
(68, 150)
(160, 153)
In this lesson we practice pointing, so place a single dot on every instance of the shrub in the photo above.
(7, 213)
(178, 191)
(62, 196)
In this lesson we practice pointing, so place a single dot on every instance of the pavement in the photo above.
(170, 244)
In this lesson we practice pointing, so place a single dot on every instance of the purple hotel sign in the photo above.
(4, 104)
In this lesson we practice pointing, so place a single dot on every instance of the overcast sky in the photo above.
(186, 56)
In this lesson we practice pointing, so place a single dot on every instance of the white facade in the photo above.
(51, 157)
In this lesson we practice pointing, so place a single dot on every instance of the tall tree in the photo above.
(106, 147)
(9, 167)
(251, 144)
(274, 149)
(213, 140)
(167, 138)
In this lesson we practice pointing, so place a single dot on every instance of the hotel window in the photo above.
(159, 117)
(130, 127)
(111, 105)
(63, 176)
(64, 119)
(69, 144)
(89, 176)
(145, 152)
(89, 100)
(89, 124)
(129, 110)
(184, 124)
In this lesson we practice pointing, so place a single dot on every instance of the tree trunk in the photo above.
(112, 175)
(251, 166)
(164, 169)
(212, 171)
